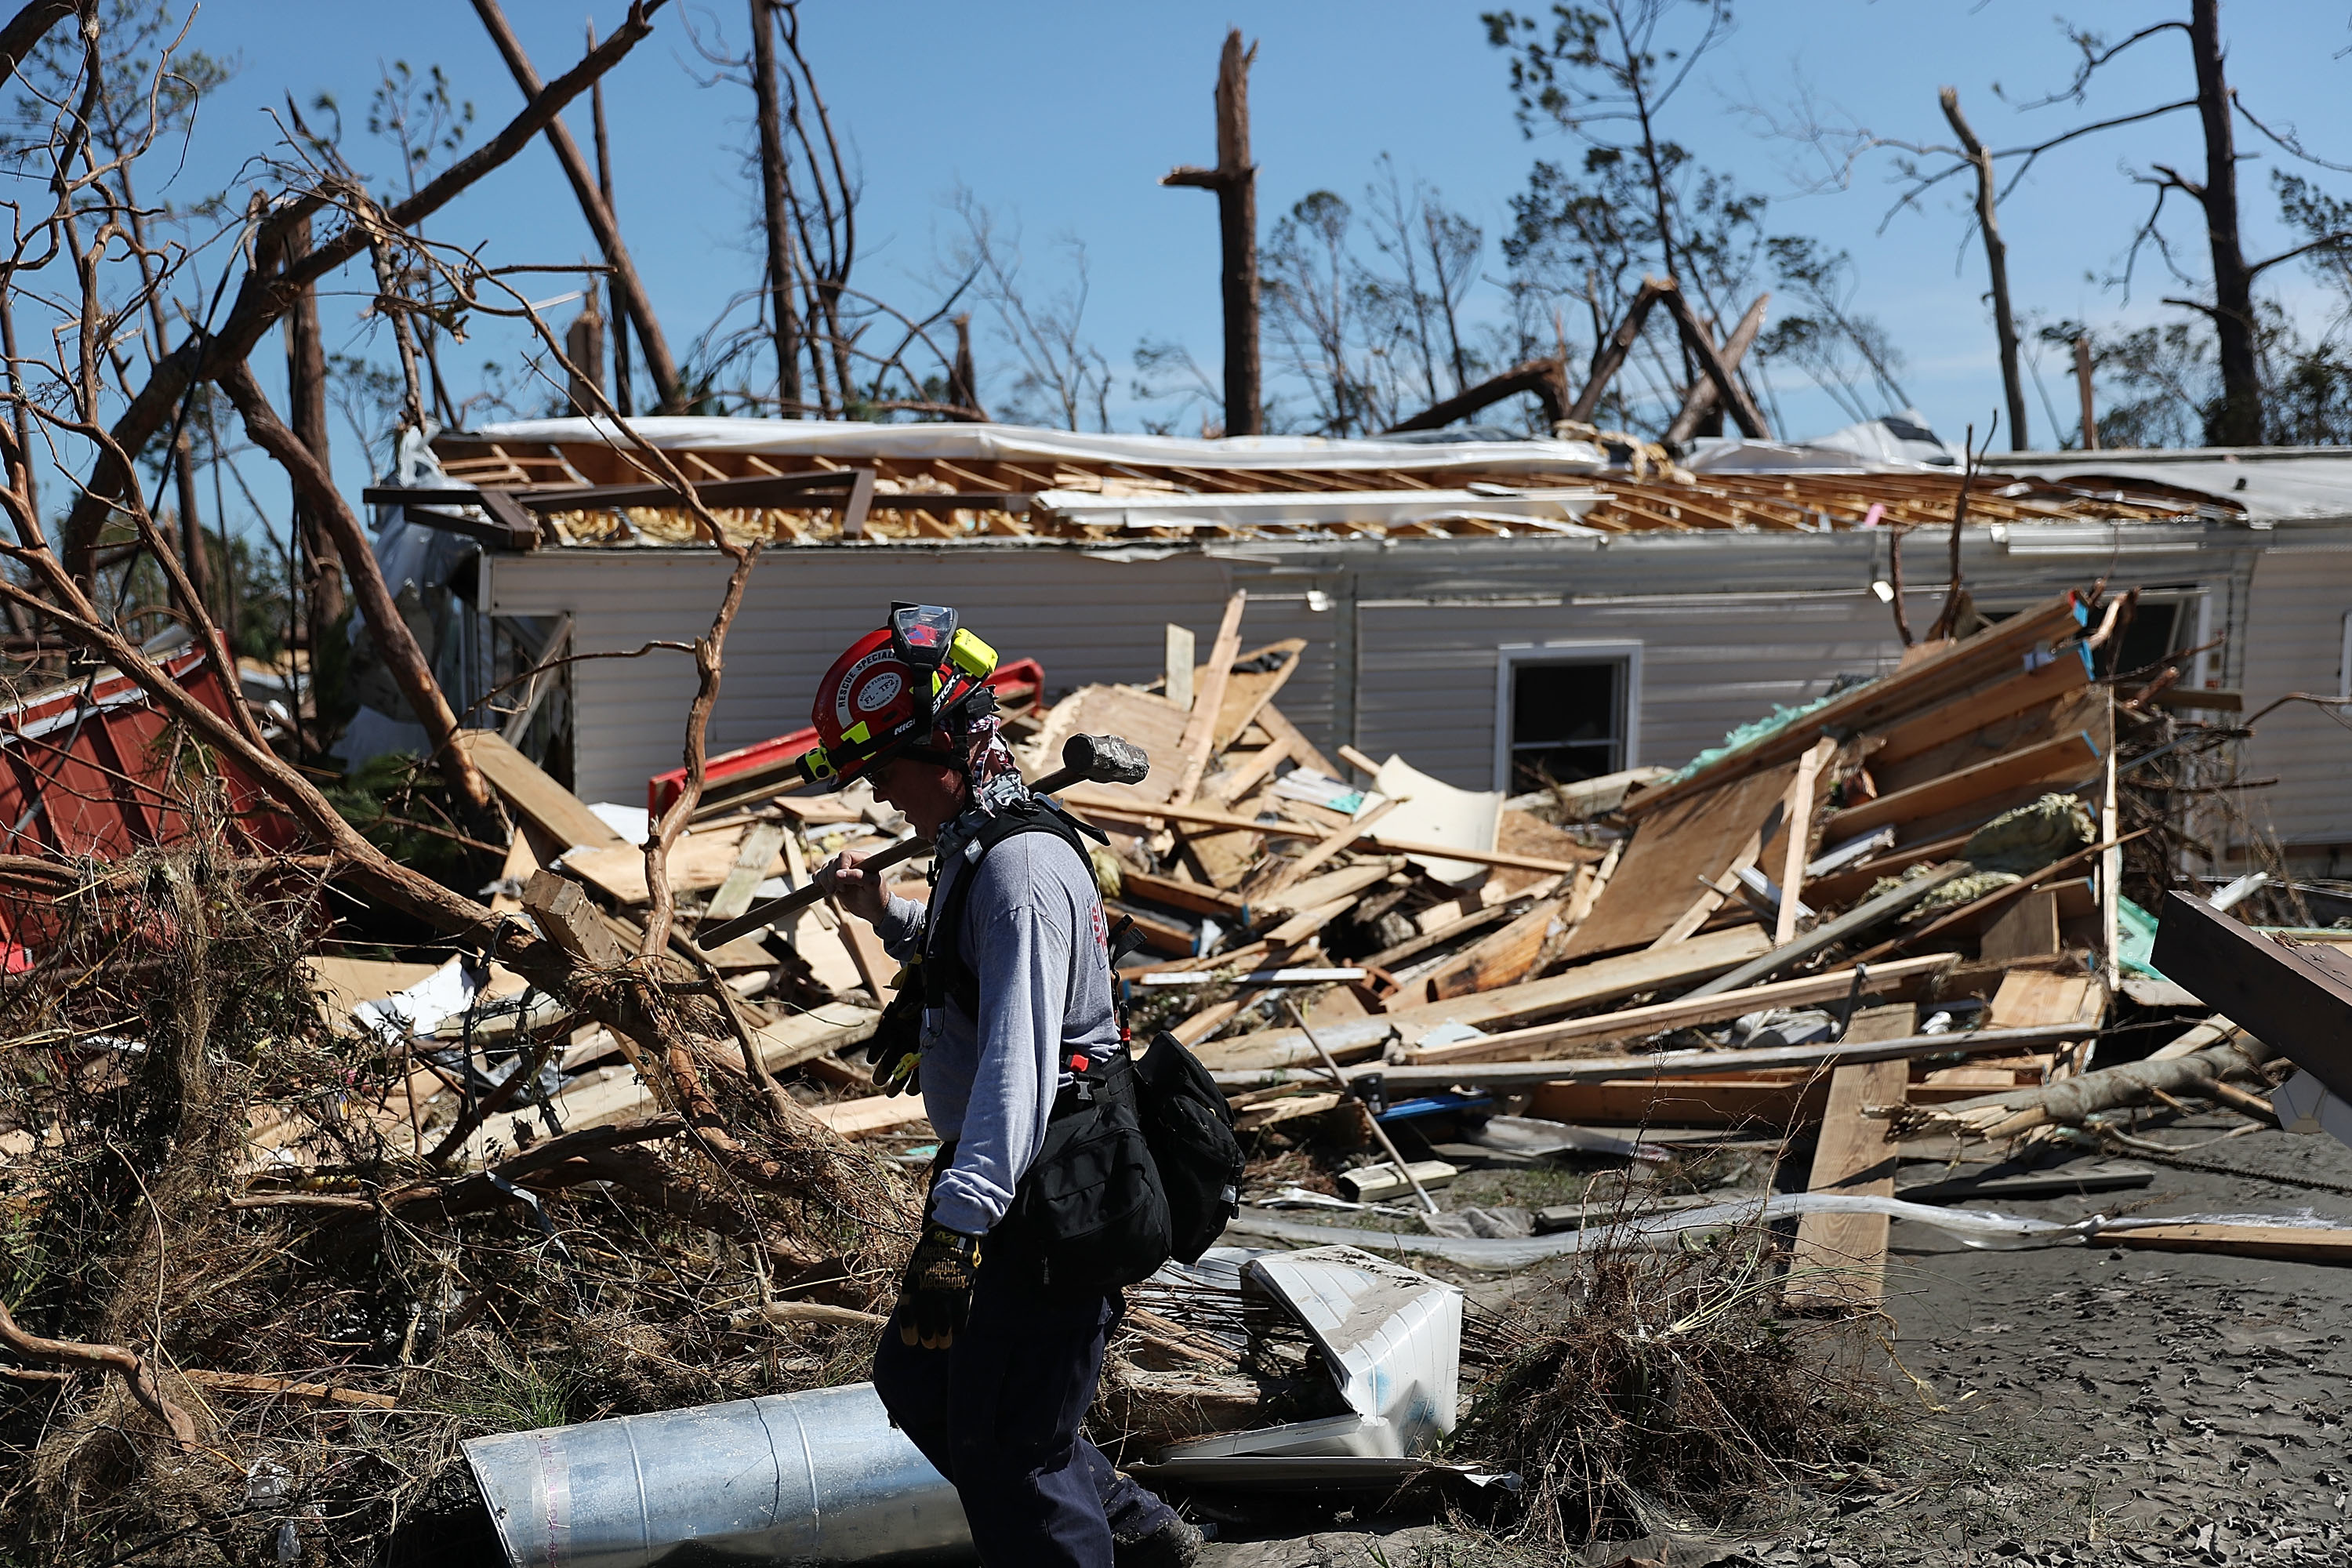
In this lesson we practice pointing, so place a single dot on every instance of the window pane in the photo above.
(1567, 721)
(2148, 638)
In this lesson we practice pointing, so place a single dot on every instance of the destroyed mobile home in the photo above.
(427, 1202)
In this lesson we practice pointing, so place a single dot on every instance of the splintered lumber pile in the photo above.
(1892, 912)
(1252, 860)
(1887, 833)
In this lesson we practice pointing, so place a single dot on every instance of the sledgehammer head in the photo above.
(1104, 759)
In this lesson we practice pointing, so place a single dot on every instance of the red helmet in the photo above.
(891, 689)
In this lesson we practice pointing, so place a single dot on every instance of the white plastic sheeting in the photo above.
(1975, 1227)
(1436, 812)
(1392, 1338)
(2278, 484)
(1897, 443)
(424, 1007)
(2304, 1104)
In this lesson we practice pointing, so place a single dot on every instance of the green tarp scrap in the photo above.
(1746, 734)
(2134, 939)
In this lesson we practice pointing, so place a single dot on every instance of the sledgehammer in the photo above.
(1085, 759)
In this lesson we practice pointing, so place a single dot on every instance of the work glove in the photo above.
(895, 1054)
(935, 1296)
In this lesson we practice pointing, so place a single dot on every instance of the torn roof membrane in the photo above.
(965, 483)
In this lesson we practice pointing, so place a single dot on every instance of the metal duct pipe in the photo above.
(819, 1477)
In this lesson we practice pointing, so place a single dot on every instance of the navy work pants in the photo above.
(997, 1412)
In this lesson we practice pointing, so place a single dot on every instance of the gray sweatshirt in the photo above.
(1034, 936)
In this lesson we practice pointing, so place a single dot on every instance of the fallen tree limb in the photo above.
(286, 1388)
(2070, 1100)
(124, 1363)
(386, 628)
(803, 1312)
(1547, 378)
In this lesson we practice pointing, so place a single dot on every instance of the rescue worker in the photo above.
(989, 1369)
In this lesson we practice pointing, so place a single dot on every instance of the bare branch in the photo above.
(26, 28)
(2097, 52)
(129, 1364)
(265, 294)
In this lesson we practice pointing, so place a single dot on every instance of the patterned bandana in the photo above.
(994, 779)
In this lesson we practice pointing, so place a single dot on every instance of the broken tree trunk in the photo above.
(306, 412)
(1609, 357)
(1547, 378)
(1702, 395)
(393, 639)
(1728, 389)
(2237, 422)
(776, 204)
(2082, 389)
(658, 363)
(2004, 324)
(618, 313)
(1234, 180)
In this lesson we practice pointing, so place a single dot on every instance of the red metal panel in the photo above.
(97, 769)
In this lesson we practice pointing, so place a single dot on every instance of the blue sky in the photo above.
(1063, 117)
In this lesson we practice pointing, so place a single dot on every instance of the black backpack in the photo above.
(1083, 1204)
(1191, 1129)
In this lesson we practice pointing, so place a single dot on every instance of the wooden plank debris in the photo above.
(1657, 880)
(1634, 1023)
(1860, 917)
(1200, 741)
(1605, 980)
(569, 921)
(1839, 1262)
(2028, 929)
(526, 786)
(1176, 684)
(1684, 1064)
(2068, 758)
(2283, 1243)
(1946, 672)
(758, 856)
(701, 860)
(1797, 838)
(1502, 959)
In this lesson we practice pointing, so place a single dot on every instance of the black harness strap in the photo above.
(946, 976)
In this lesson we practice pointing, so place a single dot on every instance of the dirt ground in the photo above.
(2073, 1405)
